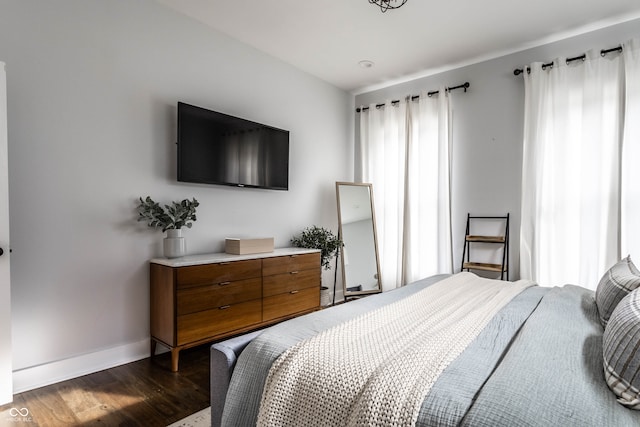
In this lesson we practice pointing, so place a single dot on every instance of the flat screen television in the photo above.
(215, 148)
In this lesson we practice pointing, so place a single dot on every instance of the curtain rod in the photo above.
(464, 86)
(582, 57)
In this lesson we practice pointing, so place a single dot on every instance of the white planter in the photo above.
(325, 296)
(174, 244)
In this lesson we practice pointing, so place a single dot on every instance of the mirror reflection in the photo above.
(356, 217)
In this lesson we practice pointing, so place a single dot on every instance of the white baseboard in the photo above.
(61, 370)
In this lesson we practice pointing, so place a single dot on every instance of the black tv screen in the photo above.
(215, 148)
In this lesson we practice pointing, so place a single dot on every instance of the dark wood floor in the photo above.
(143, 393)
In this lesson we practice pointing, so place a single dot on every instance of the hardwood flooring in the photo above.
(143, 393)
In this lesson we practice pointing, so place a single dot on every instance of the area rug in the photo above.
(199, 419)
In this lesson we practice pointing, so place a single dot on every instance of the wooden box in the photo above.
(248, 246)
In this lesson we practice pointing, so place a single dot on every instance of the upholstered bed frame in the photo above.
(224, 356)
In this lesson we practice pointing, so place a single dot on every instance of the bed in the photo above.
(536, 359)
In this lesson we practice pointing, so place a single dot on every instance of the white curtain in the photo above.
(572, 169)
(427, 242)
(382, 146)
(405, 154)
(630, 182)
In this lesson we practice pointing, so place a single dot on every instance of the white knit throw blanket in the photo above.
(376, 369)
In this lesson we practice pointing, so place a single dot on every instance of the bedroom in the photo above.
(92, 88)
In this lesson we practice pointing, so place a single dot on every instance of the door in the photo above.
(6, 379)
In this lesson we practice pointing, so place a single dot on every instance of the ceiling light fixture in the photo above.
(388, 4)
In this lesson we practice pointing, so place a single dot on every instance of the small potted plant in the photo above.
(315, 237)
(170, 218)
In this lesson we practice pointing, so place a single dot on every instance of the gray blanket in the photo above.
(537, 363)
(552, 374)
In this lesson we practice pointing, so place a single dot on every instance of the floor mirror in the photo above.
(357, 228)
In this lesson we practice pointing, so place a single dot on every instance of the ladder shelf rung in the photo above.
(485, 239)
(483, 266)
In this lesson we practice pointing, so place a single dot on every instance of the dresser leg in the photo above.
(153, 347)
(175, 352)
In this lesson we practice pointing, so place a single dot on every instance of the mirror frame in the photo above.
(346, 293)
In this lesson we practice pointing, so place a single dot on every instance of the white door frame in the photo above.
(6, 375)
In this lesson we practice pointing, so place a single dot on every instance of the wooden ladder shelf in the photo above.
(503, 267)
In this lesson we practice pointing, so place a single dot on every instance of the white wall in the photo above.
(487, 128)
(92, 93)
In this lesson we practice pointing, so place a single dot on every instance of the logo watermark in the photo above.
(19, 415)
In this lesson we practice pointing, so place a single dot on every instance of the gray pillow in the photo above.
(621, 351)
(616, 283)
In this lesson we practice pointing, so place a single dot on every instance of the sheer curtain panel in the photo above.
(574, 116)
(405, 154)
(427, 242)
(383, 134)
(630, 182)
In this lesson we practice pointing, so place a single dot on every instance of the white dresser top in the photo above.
(188, 260)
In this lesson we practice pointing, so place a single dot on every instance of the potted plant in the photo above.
(170, 218)
(315, 237)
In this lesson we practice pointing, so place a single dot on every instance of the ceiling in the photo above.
(328, 38)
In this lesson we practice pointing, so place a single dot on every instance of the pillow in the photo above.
(621, 351)
(616, 283)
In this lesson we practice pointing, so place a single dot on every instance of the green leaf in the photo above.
(315, 237)
(173, 216)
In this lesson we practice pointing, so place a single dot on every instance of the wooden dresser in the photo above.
(202, 298)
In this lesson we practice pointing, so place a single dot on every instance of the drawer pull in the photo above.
(224, 307)
(293, 272)
(293, 256)
(294, 292)
(225, 263)
(224, 283)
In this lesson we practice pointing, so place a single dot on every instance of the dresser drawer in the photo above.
(209, 274)
(199, 298)
(287, 264)
(292, 302)
(204, 324)
(294, 281)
